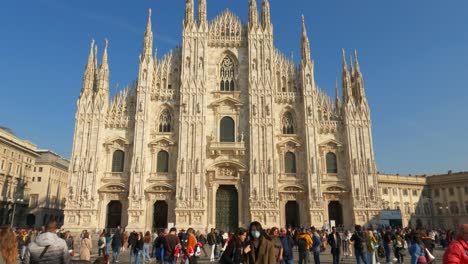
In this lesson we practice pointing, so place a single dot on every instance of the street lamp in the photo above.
(18, 200)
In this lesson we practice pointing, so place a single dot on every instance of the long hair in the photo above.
(8, 244)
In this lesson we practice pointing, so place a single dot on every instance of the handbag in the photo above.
(422, 260)
(72, 252)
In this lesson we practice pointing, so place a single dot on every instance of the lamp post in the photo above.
(14, 210)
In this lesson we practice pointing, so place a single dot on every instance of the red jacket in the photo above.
(457, 252)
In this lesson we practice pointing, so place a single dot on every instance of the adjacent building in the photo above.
(438, 201)
(17, 159)
(33, 183)
(47, 189)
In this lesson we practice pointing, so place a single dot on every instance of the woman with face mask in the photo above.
(260, 249)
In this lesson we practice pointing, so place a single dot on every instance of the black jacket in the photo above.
(117, 242)
(335, 245)
(232, 254)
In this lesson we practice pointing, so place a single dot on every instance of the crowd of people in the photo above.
(253, 245)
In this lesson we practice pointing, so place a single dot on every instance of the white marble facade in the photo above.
(226, 109)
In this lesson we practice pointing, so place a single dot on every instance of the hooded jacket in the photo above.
(457, 252)
(56, 253)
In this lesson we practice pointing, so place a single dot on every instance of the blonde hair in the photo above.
(8, 244)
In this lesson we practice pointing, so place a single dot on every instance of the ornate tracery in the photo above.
(165, 121)
(227, 74)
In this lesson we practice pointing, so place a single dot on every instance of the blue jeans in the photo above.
(146, 252)
(137, 256)
(290, 261)
(115, 255)
(317, 257)
(387, 252)
(360, 255)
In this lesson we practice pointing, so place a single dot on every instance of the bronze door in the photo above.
(114, 214)
(335, 212)
(292, 214)
(160, 215)
(227, 218)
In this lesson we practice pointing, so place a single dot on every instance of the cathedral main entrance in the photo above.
(335, 213)
(227, 216)
(114, 214)
(292, 214)
(160, 209)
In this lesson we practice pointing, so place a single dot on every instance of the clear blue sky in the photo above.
(413, 54)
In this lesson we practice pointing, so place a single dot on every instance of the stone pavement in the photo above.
(325, 257)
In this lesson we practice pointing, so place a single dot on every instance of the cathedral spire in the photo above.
(148, 39)
(337, 95)
(346, 80)
(305, 44)
(103, 77)
(253, 14)
(266, 17)
(202, 13)
(188, 12)
(90, 70)
(358, 78)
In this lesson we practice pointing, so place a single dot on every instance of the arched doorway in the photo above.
(160, 209)
(114, 214)
(227, 217)
(30, 220)
(335, 213)
(292, 214)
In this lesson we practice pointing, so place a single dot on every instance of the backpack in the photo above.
(302, 244)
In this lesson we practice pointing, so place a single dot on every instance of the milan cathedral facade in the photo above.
(219, 132)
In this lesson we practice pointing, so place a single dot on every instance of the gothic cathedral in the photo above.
(219, 132)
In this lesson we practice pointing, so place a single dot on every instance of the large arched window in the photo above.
(227, 75)
(227, 130)
(165, 121)
(118, 159)
(288, 123)
(332, 166)
(289, 162)
(163, 161)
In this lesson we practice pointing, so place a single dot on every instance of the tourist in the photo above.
(191, 246)
(335, 243)
(417, 250)
(400, 249)
(359, 245)
(146, 246)
(387, 239)
(316, 245)
(23, 242)
(234, 253)
(202, 241)
(116, 245)
(102, 244)
(260, 249)
(138, 247)
(158, 246)
(85, 247)
(8, 245)
(287, 243)
(304, 243)
(278, 247)
(372, 245)
(48, 247)
(70, 243)
(132, 238)
(170, 245)
(457, 250)
(124, 241)
(212, 242)
(345, 243)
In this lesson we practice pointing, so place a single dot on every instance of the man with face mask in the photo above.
(260, 249)
(457, 251)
